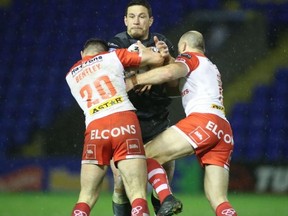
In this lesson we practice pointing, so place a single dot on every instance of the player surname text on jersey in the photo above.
(114, 132)
(87, 71)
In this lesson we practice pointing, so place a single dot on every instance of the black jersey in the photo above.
(152, 106)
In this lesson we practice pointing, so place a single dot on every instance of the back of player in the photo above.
(112, 128)
(98, 85)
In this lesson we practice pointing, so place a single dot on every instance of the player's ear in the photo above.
(151, 20)
(82, 54)
(125, 20)
(184, 46)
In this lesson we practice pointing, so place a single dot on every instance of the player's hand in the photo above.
(143, 89)
(129, 73)
(141, 47)
(162, 47)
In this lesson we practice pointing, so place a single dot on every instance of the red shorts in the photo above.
(117, 135)
(210, 136)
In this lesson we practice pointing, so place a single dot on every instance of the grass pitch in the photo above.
(61, 204)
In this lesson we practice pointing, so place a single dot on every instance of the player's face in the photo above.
(138, 22)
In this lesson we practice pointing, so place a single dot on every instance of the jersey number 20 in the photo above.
(101, 89)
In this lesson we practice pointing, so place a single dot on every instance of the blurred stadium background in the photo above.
(42, 127)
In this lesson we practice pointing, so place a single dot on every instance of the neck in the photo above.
(195, 50)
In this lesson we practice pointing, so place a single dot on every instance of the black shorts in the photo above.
(151, 127)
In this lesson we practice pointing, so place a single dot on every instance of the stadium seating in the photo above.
(260, 126)
(42, 41)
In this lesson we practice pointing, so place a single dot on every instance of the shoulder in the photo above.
(123, 53)
(188, 58)
(75, 68)
(120, 40)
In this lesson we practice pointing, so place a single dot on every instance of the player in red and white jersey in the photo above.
(106, 94)
(112, 128)
(201, 88)
(204, 131)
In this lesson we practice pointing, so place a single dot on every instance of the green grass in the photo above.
(60, 204)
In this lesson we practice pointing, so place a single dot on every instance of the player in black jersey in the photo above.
(151, 105)
(151, 102)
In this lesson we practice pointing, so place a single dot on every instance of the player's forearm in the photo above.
(152, 59)
(154, 76)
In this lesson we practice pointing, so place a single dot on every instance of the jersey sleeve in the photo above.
(114, 43)
(189, 59)
(128, 59)
(120, 40)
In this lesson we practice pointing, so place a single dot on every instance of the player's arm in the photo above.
(158, 75)
(149, 57)
(172, 87)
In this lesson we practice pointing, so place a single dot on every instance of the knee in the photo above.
(118, 183)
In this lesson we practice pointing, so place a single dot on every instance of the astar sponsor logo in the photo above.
(215, 106)
(113, 101)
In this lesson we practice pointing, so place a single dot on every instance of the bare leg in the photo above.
(169, 168)
(91, 179)
(134, 176)
(216, 185)
(120, 202)
(168, 146)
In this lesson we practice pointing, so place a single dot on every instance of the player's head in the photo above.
(191, 41)
(94, 46)
(138, 19)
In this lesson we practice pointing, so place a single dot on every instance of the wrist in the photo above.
(134, 80)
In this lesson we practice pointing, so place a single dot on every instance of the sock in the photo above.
(81, 209)
(158, 179)
(121, 204)
(225, 209)
(122, 209)
(155, 202)
(139, 207)
(120, 198)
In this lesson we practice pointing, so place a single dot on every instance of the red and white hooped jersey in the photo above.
(201, 89)
(97, 83)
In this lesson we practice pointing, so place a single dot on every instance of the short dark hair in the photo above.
(143, 3)
(101, 44)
